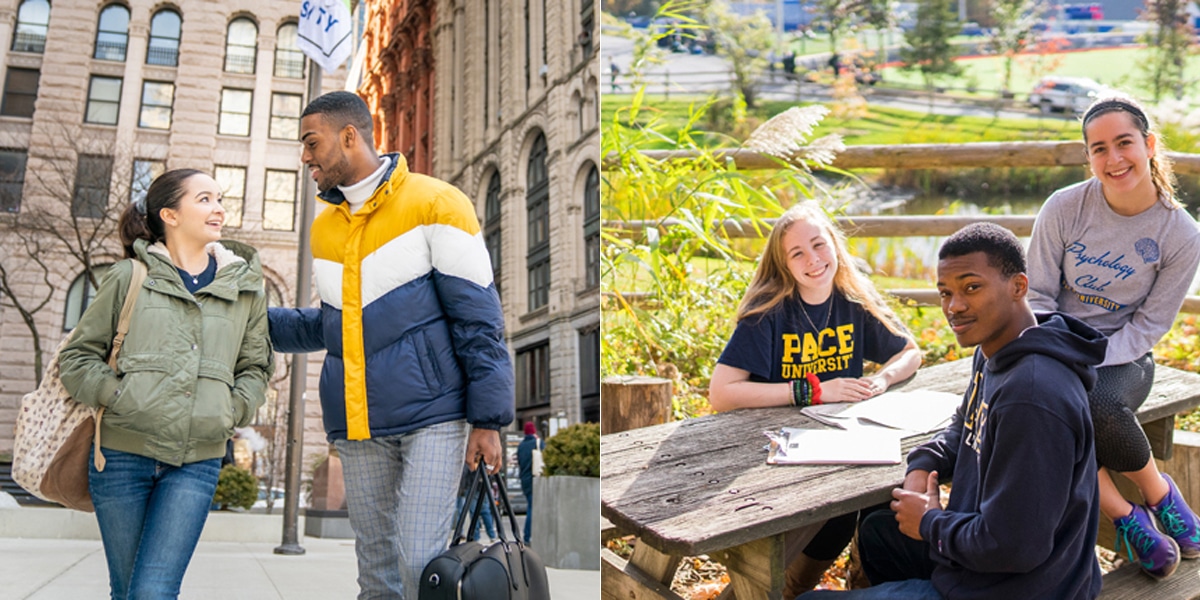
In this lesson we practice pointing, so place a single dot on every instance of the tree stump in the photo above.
(630, 402)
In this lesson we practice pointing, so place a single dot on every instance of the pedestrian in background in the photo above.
(525, 461)
(194, 365)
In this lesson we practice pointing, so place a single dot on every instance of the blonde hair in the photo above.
(1162, 173)
(773, 282)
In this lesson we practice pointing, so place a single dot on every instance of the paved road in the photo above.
(687, 74)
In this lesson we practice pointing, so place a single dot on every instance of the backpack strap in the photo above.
(131, 295)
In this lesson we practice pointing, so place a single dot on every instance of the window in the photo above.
(20, 92)
(164, 39)
(33, 19)
(241, 46)
(289, 60)
(285, 116)
(91, 186)
(104, 100)
(112, 36)
(279, 202)
(235, 112)
(587, 14)
(538, 210)
(12, 179)
(80, 295)
(591, 227)
(157, 97)
(233, 190)
(491, 232)
(144, 172)
(589, 374)
(533, 376)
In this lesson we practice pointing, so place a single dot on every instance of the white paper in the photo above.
(917, 411)
(856, 445)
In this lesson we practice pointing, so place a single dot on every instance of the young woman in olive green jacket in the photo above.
(194, 366)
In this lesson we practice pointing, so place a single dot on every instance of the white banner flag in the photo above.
(324, 32)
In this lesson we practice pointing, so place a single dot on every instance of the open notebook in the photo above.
(855, 445)
(912, 412)
(865, 433)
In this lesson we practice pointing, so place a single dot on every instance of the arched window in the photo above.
(33, 18)
(241, 46)
(80, 295)
(537, 206)
(289, 60)
(591, 227)
(491, 226)
(164, 38)
(112, 36)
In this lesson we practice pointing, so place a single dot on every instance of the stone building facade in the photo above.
(514, 113)
(101, 96)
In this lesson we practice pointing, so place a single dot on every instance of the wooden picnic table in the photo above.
(702, 486)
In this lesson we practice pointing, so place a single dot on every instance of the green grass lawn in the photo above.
(882, 125)
(1120, 68)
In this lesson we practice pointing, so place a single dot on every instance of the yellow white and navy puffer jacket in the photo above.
(409, 313)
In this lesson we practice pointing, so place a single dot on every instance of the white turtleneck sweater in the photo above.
(358, 193)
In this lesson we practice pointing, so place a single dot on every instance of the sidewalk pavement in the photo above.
(72, 569)
(56, 554)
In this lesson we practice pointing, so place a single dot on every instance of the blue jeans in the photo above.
(913, 589)
(400, 493)
(528, 512)
(485, 518)
(150, 516)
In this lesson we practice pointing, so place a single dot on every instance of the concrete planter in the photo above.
(566, 521)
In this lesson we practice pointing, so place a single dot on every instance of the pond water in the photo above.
(916, 257)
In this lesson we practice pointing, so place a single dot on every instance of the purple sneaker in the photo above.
(1156, 553)
(1179, 521)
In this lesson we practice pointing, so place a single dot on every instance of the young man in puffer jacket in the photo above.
(417, 373)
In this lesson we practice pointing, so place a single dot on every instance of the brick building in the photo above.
(500, 98)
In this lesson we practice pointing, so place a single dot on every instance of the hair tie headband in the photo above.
(1107, 106)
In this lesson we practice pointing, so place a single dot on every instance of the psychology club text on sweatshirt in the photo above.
(1125, 276)
(1021, 520)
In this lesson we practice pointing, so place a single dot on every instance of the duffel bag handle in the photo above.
(480, 479)
(469, 501)
(508, 509)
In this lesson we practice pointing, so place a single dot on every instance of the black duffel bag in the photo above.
(473, 571)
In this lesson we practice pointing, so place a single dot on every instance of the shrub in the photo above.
(235, 487)
(574, 450)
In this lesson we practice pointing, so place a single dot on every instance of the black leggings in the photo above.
(1121, 445)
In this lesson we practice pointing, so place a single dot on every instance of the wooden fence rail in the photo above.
(861, 226)
(927, 156)
(901, 156)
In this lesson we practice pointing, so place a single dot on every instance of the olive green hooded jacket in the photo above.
(192, 367)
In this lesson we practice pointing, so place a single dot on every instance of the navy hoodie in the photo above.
(1021, 522)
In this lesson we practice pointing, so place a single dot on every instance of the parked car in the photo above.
(1066, 94)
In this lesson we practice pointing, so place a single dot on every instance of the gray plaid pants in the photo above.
(400, 491)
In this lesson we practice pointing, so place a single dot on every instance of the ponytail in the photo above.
(133, 226)
(142, 220)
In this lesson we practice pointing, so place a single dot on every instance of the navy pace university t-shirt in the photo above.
(781, 345)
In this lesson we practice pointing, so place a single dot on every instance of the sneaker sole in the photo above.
(1170, 571)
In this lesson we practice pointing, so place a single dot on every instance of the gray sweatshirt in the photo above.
(1125, 276)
